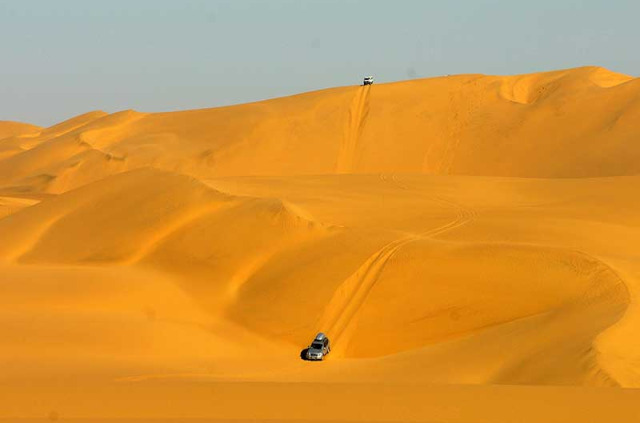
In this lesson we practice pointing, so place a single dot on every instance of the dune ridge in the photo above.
(448, 234)
(524, 126)
(16, 129)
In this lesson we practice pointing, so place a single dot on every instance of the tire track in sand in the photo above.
(357, 114)
(353, 292)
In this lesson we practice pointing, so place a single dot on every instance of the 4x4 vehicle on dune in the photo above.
(368, 80)
(319, 347)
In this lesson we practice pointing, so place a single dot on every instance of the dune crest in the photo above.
(14, 129)
(466, 125)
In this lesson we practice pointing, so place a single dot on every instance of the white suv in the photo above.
(368, 80)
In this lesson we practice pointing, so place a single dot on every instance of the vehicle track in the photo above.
(464, 103)
(357, 115)
(353, 292)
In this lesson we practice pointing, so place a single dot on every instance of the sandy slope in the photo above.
(175, 264)
(573, 123)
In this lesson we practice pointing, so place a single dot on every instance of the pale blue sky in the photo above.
(65, 57)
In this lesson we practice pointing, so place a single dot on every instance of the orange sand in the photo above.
(469, 243)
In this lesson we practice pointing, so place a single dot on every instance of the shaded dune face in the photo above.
(431, 297)
(435, 292)
(82, 226)
(467, 230)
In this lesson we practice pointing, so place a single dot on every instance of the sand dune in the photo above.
(16, 129)
(531, 126)
(461, 239)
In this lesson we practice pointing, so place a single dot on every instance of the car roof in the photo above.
(320, 336)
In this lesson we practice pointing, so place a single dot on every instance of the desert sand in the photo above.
(469, 243)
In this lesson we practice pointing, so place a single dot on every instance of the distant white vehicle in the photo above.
(368, 80)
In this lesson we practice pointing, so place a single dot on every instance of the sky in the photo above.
(62, 58)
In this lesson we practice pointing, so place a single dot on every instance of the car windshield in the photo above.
(316, 345)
